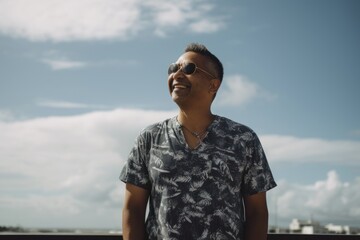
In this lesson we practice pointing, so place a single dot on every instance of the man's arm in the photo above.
(256, 212)
(133, 214)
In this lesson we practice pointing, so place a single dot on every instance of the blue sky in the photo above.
(80, 79)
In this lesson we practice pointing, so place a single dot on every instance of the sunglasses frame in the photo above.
(182, 67)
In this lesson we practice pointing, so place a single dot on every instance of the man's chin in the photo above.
(179, 100)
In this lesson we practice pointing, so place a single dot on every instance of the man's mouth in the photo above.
(180, 86)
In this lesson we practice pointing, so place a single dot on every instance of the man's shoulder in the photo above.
(158, 126)
(231, 125)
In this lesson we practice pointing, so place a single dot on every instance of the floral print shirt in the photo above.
(197, 193)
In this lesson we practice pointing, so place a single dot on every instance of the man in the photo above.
(205, 176)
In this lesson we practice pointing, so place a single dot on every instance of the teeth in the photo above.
(179, 86)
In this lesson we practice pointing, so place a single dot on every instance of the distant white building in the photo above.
(306, 227)
(337, 229)
(313, 227)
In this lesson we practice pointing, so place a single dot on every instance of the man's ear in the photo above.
(214, 85)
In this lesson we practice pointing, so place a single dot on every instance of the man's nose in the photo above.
(178, 74)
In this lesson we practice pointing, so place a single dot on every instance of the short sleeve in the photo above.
(257, 176)
(135, 170)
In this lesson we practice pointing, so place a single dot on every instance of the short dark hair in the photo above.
(202, 50)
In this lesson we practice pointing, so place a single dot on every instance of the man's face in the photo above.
(191, 88)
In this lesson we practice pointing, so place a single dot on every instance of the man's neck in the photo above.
(195, 120)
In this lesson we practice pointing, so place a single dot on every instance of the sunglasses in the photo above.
(187, 68)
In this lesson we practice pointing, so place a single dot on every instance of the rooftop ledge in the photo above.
(271, 236)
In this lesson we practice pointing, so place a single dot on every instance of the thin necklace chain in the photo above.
(199, 135)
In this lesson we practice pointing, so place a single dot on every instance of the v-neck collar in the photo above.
(178, 130)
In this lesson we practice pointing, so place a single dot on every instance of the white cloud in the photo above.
(64, 170)
(6, 115)
(69, 105)
(64, 64)
(206, 26)
(58, 60)
(44, 204)
(67, 20)
(290, 148)
(237, 90)
(328, 201)
(166, 13)
(67, 166)
(193, 16)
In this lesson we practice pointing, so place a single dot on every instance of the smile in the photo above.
(180, 86)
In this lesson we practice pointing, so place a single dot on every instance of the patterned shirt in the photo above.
(197, 193)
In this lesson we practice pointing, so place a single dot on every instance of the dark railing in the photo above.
(119, 237)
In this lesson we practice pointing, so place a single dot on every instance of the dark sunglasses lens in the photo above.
(189, 68)
(173, 68)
